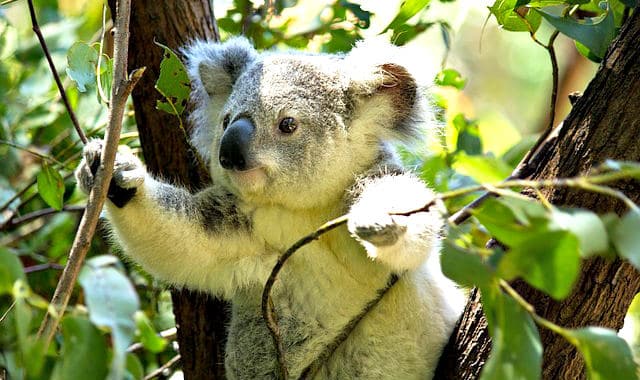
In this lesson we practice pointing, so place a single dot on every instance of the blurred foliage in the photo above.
(39, 150)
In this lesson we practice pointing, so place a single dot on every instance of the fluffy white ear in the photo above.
(390, 87)
(213, 69)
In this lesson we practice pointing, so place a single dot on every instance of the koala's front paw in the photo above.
(379, 229)
(128, 173)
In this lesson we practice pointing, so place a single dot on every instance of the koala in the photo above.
(293, 140)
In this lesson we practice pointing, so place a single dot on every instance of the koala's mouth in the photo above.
(253, 179)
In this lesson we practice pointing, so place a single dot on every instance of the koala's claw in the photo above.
(128, 173)
(383, 230)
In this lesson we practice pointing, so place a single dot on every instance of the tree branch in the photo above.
(121, 89)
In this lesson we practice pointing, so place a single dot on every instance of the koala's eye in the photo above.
(287, 125)
(225, 122)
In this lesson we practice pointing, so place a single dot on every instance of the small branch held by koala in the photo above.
(268, 313)
(122, 87)
(56, 77)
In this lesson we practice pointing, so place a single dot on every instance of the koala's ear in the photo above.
(215, 67)
(389, 89)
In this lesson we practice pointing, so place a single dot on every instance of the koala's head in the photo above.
(296, 129)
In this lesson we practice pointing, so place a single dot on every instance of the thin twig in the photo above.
(101, 93)
(56, 77)
(4, 315)
(120, 91)
(164, 367)
(41, 267)
(39, 214)
(268, 313)
(31, 151)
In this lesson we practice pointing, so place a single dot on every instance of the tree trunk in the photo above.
(604, 123)
(200, 318)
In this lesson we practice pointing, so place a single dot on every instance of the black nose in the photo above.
(234, 146)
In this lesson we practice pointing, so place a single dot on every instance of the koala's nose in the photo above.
(234, 146)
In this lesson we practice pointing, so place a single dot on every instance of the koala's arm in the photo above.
(400, 242)
(199, 241)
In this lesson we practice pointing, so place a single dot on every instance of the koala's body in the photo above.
(292, 141)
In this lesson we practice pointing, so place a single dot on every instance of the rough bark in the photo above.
(200, 318)
(604, 123)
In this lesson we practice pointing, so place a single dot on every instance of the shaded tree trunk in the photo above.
(604, 123)
(200, 318)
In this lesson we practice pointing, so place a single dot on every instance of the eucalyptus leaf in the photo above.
(112, 303)
(482, 168)
(51, 186)
(82, 60)
(517, 352)
(450, 77)
(586, 226)
(513, 18)
(549, 261)
(10, 270)
(626, 237)
(408, 9)
(148, 335)
(595, 34)
(84, 352)
(172, 83)
(465, 268)
(606, 355)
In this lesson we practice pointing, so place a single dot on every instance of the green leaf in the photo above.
(586, 226)
(82, 60)
(465, 268)
(172, 83)
(626, 237)
(450, 77)
(607, 356)
(549, 261)
(51, 186)
(10, 271)
(630, 3)
(513, 220)
(483, 169)
(595, 34)
(148, 335)
(468, 139)
(517, 352)
(513, 18)
(134, 367)
(361, 14)
(112, 303)
(408, 9)
(84, 352)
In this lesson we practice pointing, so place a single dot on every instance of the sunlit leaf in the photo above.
(595, 34)
(84, 352)
(586, 226)
(51, 186)
(513, 220)
(82, 60)
(517, 352)
(450, 77)
(549, 261)
(408, 9)
(606, 355)
(10, 270)
(148, 335)
(483, 169)
(112, 303)
(626, 237)
(172, 83)
(514, 19)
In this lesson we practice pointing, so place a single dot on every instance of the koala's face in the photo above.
(290, 129)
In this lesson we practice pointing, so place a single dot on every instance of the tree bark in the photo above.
(604, 124)
(200, 318)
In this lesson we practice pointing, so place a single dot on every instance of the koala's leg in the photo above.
(401, 242)
(200, 241)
